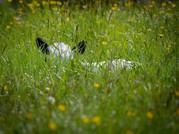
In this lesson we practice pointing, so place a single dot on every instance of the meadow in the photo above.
(53, 96)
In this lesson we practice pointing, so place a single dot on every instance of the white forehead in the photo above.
(62, 50)
(62, 47)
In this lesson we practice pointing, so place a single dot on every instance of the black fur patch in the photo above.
(81, 46)
(41, 44)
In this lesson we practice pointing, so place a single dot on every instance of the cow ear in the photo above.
(80, 47)
(41, 44)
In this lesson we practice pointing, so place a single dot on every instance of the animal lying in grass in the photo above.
(66, 53)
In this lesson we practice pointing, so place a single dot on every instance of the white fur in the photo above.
(65, 52)
(62, 50)
(112, 66)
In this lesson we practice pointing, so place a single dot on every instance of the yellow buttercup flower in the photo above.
(177, 112)
(150, 115)
(54, 8)
(114, 7)
(1, 118)
(131, 20)
(19, 22)
(128, 4)
(129, 132)
(169, 49)
(96, 120)
(59, 3)
(177, 93)
(20, 1)
(161, 35)
(20, 10)
(5, 87)
(153, 2)
(173, 5)
(161, 12)
(85, 120)
(8, 27)
(52, 2)
(151, 5)
(96, 85)
(9, 0)
(104, 43)
(29, 116)
(52, 126)
(15, 18)
(31, 6)
(130, 114)
(163, 4)
(61, 108)
(68, 19)
(44, 3)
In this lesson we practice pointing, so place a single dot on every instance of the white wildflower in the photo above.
(51, 99)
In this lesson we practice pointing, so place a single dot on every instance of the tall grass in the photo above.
(141, 100)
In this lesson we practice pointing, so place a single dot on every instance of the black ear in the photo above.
(41, 44)
(81, 46)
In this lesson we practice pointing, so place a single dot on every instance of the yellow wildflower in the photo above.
(131, 20)
(54, 8)
(44, 3)
(177, 112)
(163, 4)
(31, 6)
(96, 85)
(128, 4)
(1, 118)
(104, 43)
(15, 18)
(11, 23)
(161, 35)
(168, 9)
(168, 14)
(68, 19)
(96, 120)
(20, 10)
(20, 1)
(177, 93)
(29, 116)
(130, 114)
(64, 9)
(161, 12)
(153, 2)
(98, 21)
(150, 115)
(151, 5)
(9, 0)
(5, 87)
(130, 132)
(145, 7)
(85, 120)
(52, 2)
(8, 27)
(115, 7)
(19, 22)
(169, 49)
(59, 3)
(173, 5)
(61, 108)
(36, 3)
(52, 126)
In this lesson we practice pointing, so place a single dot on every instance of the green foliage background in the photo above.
(141, 100)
